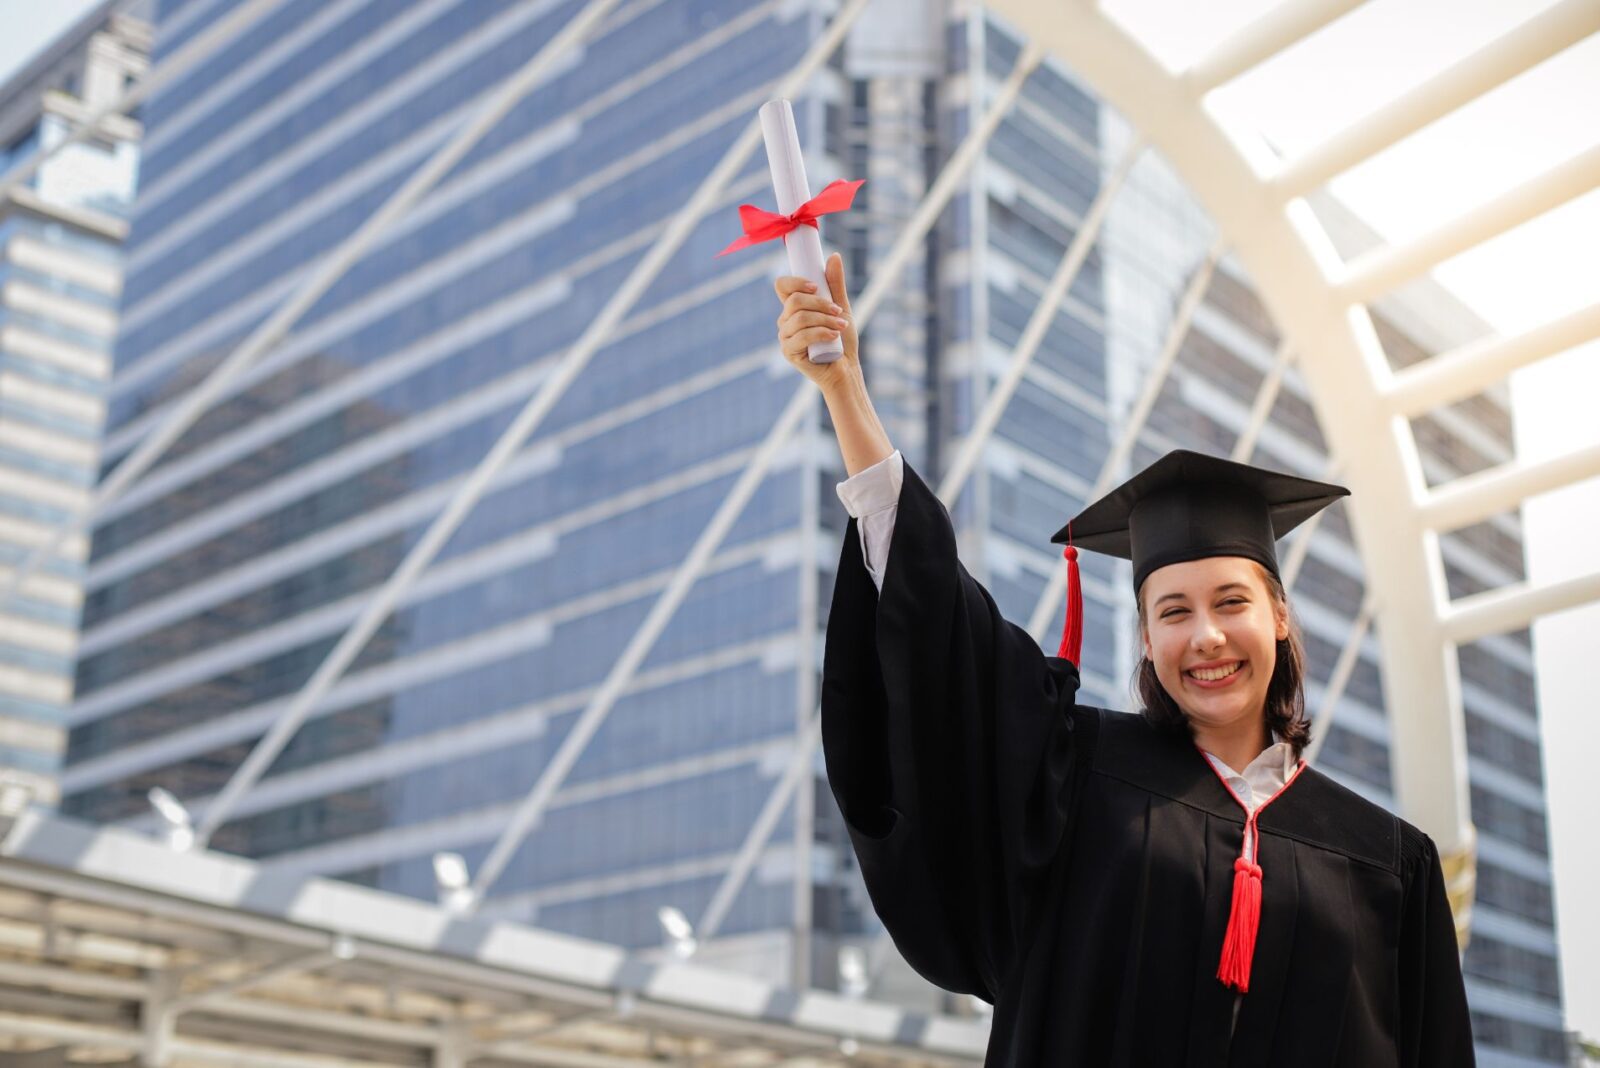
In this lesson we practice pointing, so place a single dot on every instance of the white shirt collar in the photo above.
(1264, 776)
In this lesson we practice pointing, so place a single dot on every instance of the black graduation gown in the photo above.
(1074, 865)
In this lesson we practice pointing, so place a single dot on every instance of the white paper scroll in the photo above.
(789, 183)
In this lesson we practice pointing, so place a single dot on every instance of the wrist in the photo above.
(846, 389)
(862, 440)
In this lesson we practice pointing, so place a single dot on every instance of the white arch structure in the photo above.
(1319, 304)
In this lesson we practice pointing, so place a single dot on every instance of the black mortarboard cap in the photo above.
(1188, 506)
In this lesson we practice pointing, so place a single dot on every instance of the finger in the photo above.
(793, 283)
(802, 320)
(835, 273)
(802, 302)
(802, 340)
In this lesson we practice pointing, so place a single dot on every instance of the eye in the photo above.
(1172, 612)
(1234, 600)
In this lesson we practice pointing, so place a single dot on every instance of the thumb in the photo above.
(835, 272)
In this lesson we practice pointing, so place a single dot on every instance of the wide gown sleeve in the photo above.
(1435, 1027)
(951, 744)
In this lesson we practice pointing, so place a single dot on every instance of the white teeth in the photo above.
(1213, 674)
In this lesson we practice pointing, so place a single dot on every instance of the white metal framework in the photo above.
(1319, 304)
(113, 946)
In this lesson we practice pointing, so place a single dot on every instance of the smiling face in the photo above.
(1211, 629)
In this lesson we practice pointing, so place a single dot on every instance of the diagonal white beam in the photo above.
(317, 283)
(1261, 409)
(308, 962)
(1343, 668)
(328, 272)
(1293, 560)
(911, 237)
(1514, 607)
(531, 811)
(760, 833)
(1039, 323)
(1529, 44)
(1376, 273)
(197, 50)
(1299, 549)
(521, 428)
(1262, 39)
(1474, 498)
(486, 1034)
(1473, 368)
(1128, 433)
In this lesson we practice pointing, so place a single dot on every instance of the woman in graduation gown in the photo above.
(1110, 882)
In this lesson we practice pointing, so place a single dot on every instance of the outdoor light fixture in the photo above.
(180, 828)
(15, 796)
(853, 978)
(853, 983)
(454, 884)
(679, 931)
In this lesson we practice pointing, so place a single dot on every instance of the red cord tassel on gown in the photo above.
(1244, 919)
(1072, 629)
(1244, 913)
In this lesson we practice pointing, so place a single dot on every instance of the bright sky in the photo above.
(31, 25)
(1540, 270)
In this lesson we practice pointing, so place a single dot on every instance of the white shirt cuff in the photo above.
(875, 488)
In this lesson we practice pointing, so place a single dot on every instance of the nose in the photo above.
(1207, 635)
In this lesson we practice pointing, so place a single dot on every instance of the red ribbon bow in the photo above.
(761, 225)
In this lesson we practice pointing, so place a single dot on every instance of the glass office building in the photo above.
(223, 578)
(61, 231)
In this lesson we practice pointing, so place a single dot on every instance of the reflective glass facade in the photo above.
(226, 576)
(219, 583)
(60, 272)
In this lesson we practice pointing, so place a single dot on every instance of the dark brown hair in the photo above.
(1286, 698)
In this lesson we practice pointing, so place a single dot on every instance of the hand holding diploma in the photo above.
(811, 318)
(816, 330)
(810, 315)
(796, 219)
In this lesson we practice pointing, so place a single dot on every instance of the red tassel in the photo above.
(1244, 919)
(1244, 913)
(1072, 629)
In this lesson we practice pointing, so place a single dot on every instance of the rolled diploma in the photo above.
(789, 183)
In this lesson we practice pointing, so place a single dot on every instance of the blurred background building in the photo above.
(61, 234)
(224, 577)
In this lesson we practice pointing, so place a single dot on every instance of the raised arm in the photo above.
(809, 317)
(949, 743)
(948, 735)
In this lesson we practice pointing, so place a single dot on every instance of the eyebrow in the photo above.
(1219, 589)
